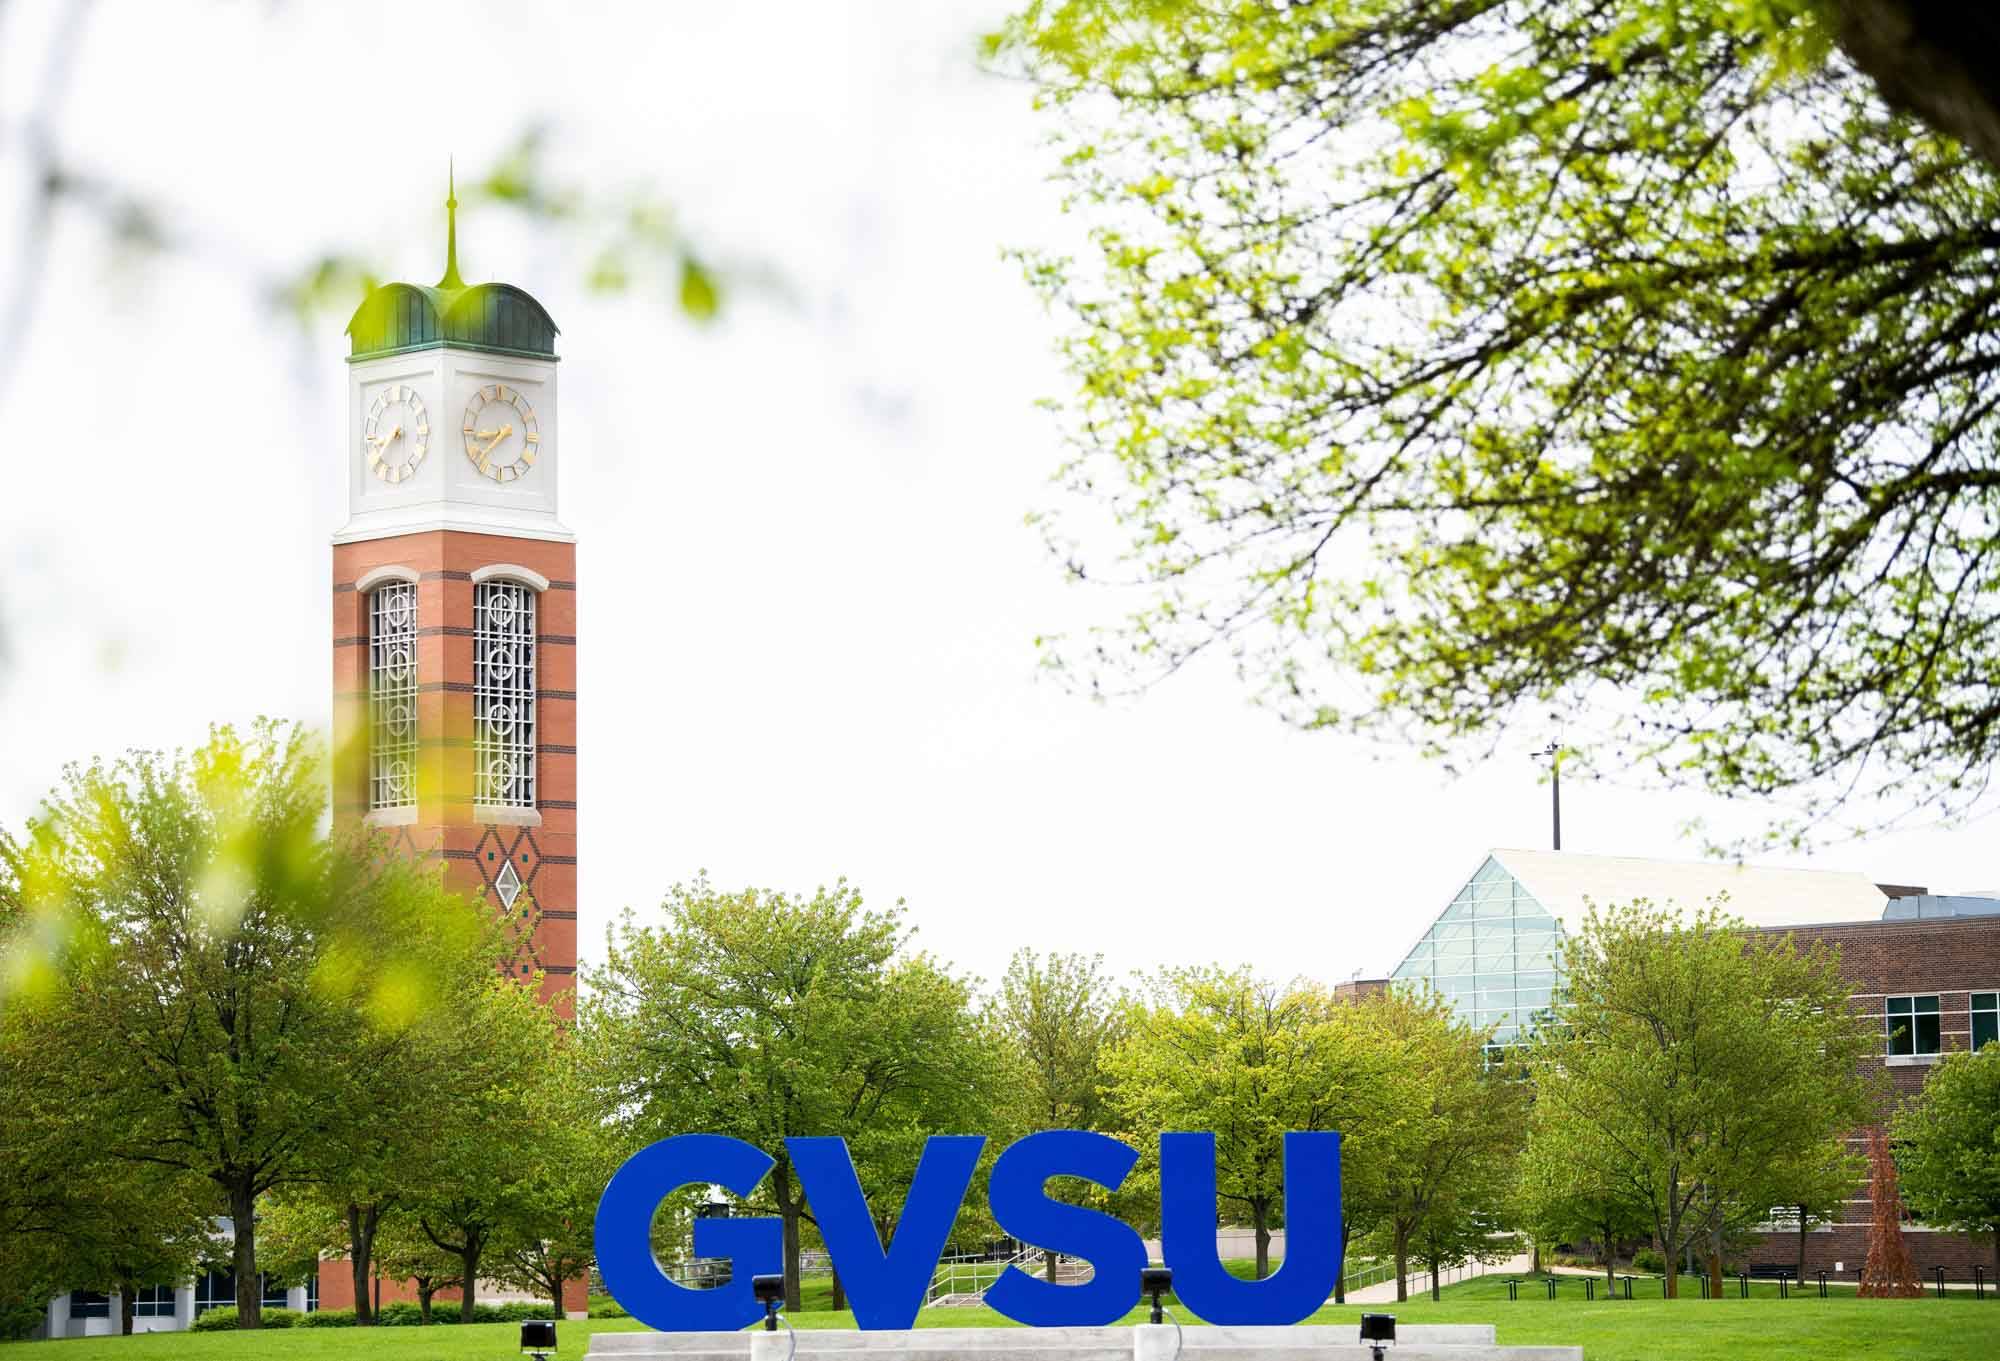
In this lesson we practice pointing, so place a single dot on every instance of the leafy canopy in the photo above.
(765, 1015)
(1699, 1073)
(1221, 1050)
(1948, 1145)
(1447, 361)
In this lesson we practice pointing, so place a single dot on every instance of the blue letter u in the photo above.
(1312, 1232)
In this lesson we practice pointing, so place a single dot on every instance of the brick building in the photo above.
(1924, 969)
(1928, 973)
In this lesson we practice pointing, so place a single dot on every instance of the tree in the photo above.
(1060, 1014)
(1705, 1072)
(1887, 1273)
(492, 1154)
(1564, 1196)
(1448, 364)
(454, 1064)
(1925, 60)
(220, 969)
(763, 1015)
(552, 1240)
(1453, 1135)
(404, 1252)
(1221, 1050)
(1948, 1146)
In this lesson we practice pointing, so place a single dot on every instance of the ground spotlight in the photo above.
(538, 1338)
(1378, 1331)
(1155, 1281)
(770, 1292)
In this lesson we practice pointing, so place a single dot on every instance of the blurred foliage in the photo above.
(1625, 362)
(633, 242)
(255, 1005)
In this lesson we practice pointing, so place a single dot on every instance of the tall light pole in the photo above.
(1553, 752)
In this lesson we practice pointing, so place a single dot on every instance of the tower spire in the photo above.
(451, 279)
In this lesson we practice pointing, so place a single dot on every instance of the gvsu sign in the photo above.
(886, 1286)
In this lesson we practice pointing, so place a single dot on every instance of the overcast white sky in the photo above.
(807, 598)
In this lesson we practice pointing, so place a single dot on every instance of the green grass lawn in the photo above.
(1645, 1329)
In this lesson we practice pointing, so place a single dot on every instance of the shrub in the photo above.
(403, 1313)
(223, 1320)
(328, 1318)
(603, 1306)
(1646, 1259)
(18, 1320)
(514, 1311)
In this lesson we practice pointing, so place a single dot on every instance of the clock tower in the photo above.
(454, 605)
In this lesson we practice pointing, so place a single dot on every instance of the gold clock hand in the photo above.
(498, 435)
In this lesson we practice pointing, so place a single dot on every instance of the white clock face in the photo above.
(397, 433)
(501, 437)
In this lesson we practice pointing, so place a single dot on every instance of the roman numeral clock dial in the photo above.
(397, 433)
(501, 437)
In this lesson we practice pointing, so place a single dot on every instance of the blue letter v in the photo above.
(886, 1289)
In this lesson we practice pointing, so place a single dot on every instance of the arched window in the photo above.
(392, 695)
(503, 693)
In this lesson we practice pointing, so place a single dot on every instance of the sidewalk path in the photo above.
(1384, 1292)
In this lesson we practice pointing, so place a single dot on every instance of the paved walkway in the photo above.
(1384, 1292)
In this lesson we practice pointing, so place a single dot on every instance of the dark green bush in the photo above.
(328, 1318)
(1645, 1259)
(403, 1313)
(215, 1320)
(603, 1306)
(223, 1320)
(18, 1320)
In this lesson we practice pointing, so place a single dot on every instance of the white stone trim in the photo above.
(554, 534)
(508, 571)
(500, 815)
(402, 816)
(375, 576)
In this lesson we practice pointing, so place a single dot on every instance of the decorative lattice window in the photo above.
(503, 694)
(392, 695)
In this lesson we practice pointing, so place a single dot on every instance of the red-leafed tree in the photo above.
(1888, 1272)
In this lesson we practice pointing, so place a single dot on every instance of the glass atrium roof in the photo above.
(1492, 953)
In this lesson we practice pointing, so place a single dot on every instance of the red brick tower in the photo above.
(454, 604)
(454, 618)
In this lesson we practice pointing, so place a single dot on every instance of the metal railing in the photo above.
(1788, 1284)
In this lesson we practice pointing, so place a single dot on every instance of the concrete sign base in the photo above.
(1333, 1342)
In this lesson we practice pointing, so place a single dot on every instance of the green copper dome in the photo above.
(496, 317)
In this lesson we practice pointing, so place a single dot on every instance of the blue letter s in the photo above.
(1021, 1206)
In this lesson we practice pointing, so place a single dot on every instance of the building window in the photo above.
(392, 695)
(1985, 1018)
(214, 1290)
(89, 1304)
(153, 1301)
(217, 1290)
(503, 694)
(1913, 1025)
